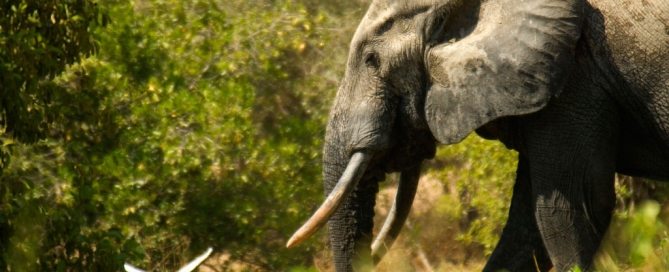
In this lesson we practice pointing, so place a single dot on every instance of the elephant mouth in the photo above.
(406, 153)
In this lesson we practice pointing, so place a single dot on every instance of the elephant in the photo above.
(579, 88)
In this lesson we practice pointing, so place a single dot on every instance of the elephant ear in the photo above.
(513, 61)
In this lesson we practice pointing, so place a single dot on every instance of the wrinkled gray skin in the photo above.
(579, 88)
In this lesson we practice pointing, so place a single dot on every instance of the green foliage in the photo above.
(38, 39)
(480, 175)
(637, 240)
(195, 125)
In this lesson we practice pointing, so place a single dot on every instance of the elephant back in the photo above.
(632, 37)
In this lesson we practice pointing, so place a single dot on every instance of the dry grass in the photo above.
(434, 247)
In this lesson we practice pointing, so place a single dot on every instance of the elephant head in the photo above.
(422, 72)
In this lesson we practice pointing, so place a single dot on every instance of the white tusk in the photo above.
(196, 262)
(354, 171)
(130, 268)
(186, 268)
(406, 191)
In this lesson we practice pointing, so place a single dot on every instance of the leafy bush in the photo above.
(638, 238)
(480, 175)
(195, 125)
(38, 40)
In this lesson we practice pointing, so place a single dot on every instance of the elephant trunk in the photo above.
(354, 170)
(357, 138)
(350, 226)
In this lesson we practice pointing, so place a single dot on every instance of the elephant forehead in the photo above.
(403, 6)
(378, 15)
(381, 12)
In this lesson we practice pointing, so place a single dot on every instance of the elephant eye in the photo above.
(372, 60)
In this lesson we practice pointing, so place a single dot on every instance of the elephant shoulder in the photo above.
(631, 39)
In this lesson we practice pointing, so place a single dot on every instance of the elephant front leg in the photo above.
(520, 248)
(574, 204)
(571, 148)
(572, 228)
(574, 199)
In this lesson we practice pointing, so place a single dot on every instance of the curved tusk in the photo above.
(192, 265)
(406, 191)
(354, 170)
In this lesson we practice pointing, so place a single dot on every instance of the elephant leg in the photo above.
(573, 211)
(520, 247)
(571, 146)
